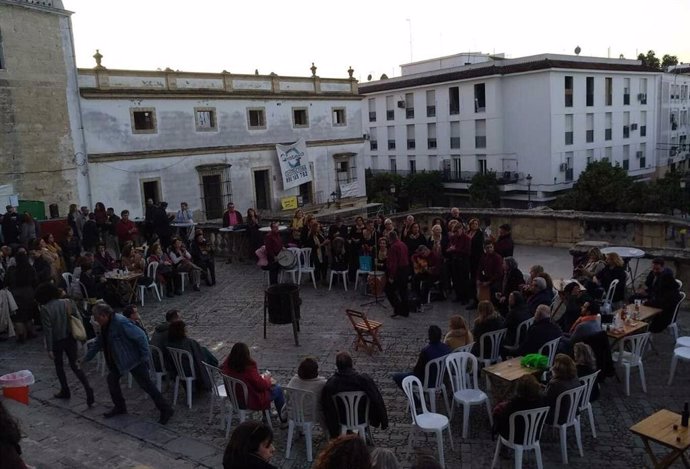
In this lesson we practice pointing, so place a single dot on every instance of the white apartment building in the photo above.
(543, 116)
(674, 122)
(208, 138)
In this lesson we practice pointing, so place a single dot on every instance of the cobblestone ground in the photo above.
(69, 435)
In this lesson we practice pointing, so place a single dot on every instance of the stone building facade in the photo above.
(42, 154)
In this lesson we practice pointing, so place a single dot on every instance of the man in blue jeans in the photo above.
(126, 350)
(435, 349)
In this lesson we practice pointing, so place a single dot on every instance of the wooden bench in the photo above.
(366, 329)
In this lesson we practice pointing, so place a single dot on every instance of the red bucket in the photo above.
(20, 394)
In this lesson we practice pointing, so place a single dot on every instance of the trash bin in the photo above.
(279, 299)
(16, 385)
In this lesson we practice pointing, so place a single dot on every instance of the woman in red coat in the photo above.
(262, 389)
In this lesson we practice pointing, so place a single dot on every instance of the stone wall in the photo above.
(36, 148)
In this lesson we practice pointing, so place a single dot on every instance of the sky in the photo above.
(371, 36)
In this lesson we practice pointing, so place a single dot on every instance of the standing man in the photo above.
(490, 270)
(231, 217)
(125, 229)
(10, 226)
(397, 270)
(274, 244)
(126, 350)
(184, 216)
(161, 225)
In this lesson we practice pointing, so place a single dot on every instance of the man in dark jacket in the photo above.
(541, 332)
(435, 349)
(504, 244)
(651, 283)
(397, 270)
(10, 226)
(161, 225)
(346, 379)
(542, 295)
(126, 350)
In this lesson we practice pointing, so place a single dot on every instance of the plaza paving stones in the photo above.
(66, 434)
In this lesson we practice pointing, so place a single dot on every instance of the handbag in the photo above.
(76, 326)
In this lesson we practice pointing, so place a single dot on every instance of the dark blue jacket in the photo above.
(427, 354)
(126, 343)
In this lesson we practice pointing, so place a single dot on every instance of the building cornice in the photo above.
(95, 93)
(178, 152)
(49, 6)
(501, 68)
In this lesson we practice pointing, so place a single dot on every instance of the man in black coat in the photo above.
(10, 226)
(541, 332)
(161, 225)
(346, 379)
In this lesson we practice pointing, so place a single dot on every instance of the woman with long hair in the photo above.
(344, 452)
(182, 261)
(476, 251)
(54, 248)
(459, 333)
(586, 364)
(165, 272)
(563, 378)
(71, 249)
(318, 244)
(250, 447)
(615, 270)
(488, 320)
(262, 388)
(253, 232)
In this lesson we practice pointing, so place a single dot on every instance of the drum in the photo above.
(377, 283)
(286, 259)
(483, 293)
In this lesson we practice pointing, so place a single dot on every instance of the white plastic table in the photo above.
(266, 229)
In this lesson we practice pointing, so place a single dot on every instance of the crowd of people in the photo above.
(452, 258)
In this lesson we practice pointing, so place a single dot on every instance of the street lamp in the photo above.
(529, 191)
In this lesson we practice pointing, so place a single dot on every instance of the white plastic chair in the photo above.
(151, 273)
(494, 338)
(178, 357)
(572, 419)
(217, 390)
(549, 349)
(425, 421)
(464, 348)
(100, 358)
(683, 341)
(673, 327)
(294, 270)
(350, 403)
(301, 404)
(158, 374)
(521, 330)
(237, 402)
(305, 266)
(437, 366)
(611, 291)
(589, 381)
(463, 379)
(679, 353)
(680, 284)
(533, 423)
(361, 272)
(633, 358)
(67, 277)
(184, 276)
(342, 273)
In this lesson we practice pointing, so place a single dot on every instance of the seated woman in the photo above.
(586, 364)
(202, 255)
(513, 279)
(308, 379)
(527, 396)
(166, 273)
(488, 320)
(667, 297)
(573, 299)
(594, 264)
(262, 389)
(250, 447)
(132, 260)
(182, 262)
(177, 338)
(104, 257)
(458, 334)
(614, 271)
(563, 378)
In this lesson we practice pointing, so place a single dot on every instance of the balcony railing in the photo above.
(455, 142)
(431, 143)
(372, 116)
(431, 111)
(480, 141)
(390, 114)
(410, 144)
(409, 113)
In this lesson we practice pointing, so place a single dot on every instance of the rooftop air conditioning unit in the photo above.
(401, 104)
